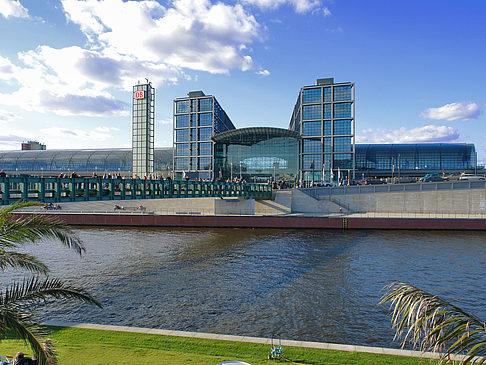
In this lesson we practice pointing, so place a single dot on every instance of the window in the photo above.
(310, 112)
(182, 106)
(205, 134)
(327, 144)
(204, 163)
(182, 135)
(311, 95)
(193, 134)
(342, 127)
(327, 111)
(312, 162)
(182, 163)
(343, 161)
(205, 105)
(311, 128)
(205, 119)
(182, 149)
(343, 144)
(182, 121)
(327, 94)
(342, 110)
(193, 120)
(342, 93)
(311, 145)
(205, 148)
(327, 127)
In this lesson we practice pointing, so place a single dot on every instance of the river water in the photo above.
(314, 285)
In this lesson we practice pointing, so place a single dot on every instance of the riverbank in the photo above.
(109, 346)
(358, 221)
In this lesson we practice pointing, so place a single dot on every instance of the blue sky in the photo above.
(67, 66)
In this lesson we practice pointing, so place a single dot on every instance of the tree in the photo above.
(19, 300)
(433, 324)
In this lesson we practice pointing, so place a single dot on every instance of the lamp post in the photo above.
(42, 172)
(231, 166)
(240, 171)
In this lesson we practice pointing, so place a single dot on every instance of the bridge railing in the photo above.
(50, 189)
(393, 188)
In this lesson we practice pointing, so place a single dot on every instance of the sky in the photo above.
(67, 67)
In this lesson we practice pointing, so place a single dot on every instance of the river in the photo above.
(314, 285)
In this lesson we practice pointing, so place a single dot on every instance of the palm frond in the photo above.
(433, 324)
(31, 292)
(30, 332)
(21, 260)
(36, 228)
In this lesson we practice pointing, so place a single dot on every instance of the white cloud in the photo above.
(263, 73)
(300, 6)
(453, 111)
(165, 121)
(129, 41)
(13, 8)
(428, 133)
(98, 134)
(194, 34)
(6, 116)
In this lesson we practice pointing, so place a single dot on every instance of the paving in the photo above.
(261, 340)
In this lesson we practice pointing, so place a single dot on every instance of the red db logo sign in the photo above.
(139, 94)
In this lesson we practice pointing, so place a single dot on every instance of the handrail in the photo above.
(55, 189)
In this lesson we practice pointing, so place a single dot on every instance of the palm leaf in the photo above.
(433, 324)
(21, 260)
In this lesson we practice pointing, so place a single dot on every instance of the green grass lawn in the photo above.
(85, 346)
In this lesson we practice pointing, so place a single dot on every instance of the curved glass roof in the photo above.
(250, 136)
(78, 160)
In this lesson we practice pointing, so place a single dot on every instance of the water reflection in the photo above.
(308, 285)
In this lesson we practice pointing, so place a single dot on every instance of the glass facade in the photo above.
(327, 130)
(414, 159)
(197, 118)
(52, 162)
(257, 154)
(143, 113)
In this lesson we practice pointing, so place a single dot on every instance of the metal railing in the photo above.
(393, 188)
(55, 190)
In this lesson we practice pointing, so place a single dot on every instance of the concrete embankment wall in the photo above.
(460, 201)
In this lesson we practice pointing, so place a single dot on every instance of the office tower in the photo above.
(324, 117)
(143, 114)
(197, 118)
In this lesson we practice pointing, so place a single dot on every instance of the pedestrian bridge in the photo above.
(55, 190)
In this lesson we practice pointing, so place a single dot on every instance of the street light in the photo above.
(231, 166)
(240, 171)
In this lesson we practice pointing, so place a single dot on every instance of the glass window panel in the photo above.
(205, 148)
(327, 127)
(342, 93)
(327, 94)
(311, 128)
(311, 95)
(182, 106)
(343, 144)
(311, 162)
(342, 127)
(311, 145)
(182, 149)
(205, 105)
(310, 112)
(205, 119)
(182, 121)
(327, 145)
(205, 163)
(182, 135)
(327, 110)
(342, 110)
(205, 134)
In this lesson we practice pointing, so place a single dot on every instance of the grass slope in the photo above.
(90, 347)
